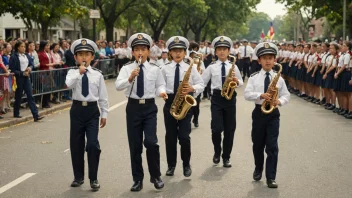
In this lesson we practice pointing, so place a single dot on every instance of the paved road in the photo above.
(315, 157)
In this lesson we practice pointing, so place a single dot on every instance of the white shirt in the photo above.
(255, 88)
(23, 61)
(195, 80)
(155, 52)
(344, 60)
(154, 83)
(213, 73)
(249, 51)
(323, 58)
(97, 88)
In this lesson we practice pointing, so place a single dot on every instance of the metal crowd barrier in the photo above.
(107, 66)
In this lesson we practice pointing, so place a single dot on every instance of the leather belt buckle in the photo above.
(84, 103)
(142, 101)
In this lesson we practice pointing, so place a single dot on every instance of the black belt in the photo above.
(141, 101)
(246, 58)
(216, 91)
(84, 103)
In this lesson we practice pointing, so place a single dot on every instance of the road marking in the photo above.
(66, 150)
(117, 105)
(16, 182)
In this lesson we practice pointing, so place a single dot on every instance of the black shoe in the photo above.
(227, 163)
(336, 110)
(216, 159)
(17, 116)
(349, 115)
(257, 175)
(170, 171)
(343, 112)
(77, 182)
(94, 184)
(158, 183)
(331, 107)
(271, 183)
(38, 118)
(187, 171)
(137, 186)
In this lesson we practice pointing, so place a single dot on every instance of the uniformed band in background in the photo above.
(183, 71)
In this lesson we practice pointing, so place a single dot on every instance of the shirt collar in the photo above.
(219, 62)
(263, 72)
(174, 63)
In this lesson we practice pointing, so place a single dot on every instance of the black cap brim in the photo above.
(264, 51)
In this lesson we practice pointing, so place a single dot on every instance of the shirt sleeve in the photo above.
(346, 59)
(284, 94)
(72, 77)
(206, 75)
(122, 82)
(238, 76)
(103, 98)
(249, 93)
(198, 83)
(160, 83)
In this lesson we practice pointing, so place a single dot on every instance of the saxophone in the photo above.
(273, 91)
(198, 58)
(181, 105)
(229, 85)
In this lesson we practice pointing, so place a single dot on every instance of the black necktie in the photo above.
(177, 78)
(266, 82)
(245, 51)
(223, 73)
(140, 82)
(85, 85)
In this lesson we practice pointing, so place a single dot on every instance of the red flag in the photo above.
(262, 36)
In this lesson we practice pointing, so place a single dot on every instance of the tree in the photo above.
(111, 10)
(258, 21)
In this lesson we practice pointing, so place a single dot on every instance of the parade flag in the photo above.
(262, 36)
(271, 32)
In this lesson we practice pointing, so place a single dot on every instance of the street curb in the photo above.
(16, 121)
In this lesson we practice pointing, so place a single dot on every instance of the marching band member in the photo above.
(89, 90)
(223, 111)
(180, 130)
(200, 68)
(141, 109)
(265, 127)
(164, 59)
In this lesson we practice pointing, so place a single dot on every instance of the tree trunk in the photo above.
(205, 35)
(109, 31)
(156, 34)
(197, 35)
(44, 31)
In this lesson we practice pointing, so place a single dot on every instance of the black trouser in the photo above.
(196, 111)
(24, 84)
(84, 122)
(177, 130)
(255, 66)
(223, 118)
(265, 131)
(142, 118)
(246, 62)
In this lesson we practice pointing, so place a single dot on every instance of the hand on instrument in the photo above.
(164, 95)
(82, 69)
(265, 96)
(102, 122)
(187, 89)
(276, 103)
(134, 73)
(235, 80)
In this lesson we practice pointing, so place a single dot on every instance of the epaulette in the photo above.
(153, 64)
(128, 63)
(255, 73)
(168, 63)
(97, 70)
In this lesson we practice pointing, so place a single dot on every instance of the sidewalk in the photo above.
(26, 114)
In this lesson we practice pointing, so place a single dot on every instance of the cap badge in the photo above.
(84, 42)
(140, 36)
(177, 40)
(222, 39)
(266, 45)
